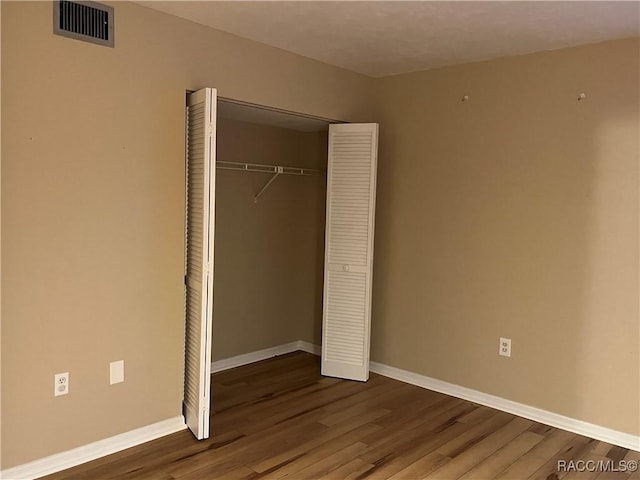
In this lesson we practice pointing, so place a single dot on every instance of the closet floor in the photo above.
(280, 418)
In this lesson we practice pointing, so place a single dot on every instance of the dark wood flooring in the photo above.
(280, 418)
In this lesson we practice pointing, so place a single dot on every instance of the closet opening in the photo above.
(269, 229)
(279, 242)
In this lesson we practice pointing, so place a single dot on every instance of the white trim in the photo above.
(580, 427)
(309, 347)
(252, 357)
(91, 451)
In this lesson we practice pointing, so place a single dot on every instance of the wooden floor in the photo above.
(281, 419)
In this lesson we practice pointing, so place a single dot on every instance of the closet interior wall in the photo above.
(268, 255)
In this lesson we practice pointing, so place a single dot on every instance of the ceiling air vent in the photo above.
(87, 21)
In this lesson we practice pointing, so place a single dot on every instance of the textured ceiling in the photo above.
(380, 38)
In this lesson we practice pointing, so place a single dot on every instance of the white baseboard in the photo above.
(580, 427)
(252, 357)
(91, 451)
(309, 347)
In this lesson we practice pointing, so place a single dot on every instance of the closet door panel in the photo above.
(351, 186)
(200, 209)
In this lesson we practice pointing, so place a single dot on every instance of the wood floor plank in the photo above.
(349, 471)
(602, 448)
(616, 453)
(327, 464)
(406, 445)
(423, 466)
(500, 460)
(613, 476)
(475, 434)
(107, 461)
(178, 445)
(358, 409)
(297, 407)
(270, 405)
(280, 418)
(632, 455)
(478, 415)
(250, 448)
(575, 449)
(390, 443)
(542, 429)
(395, 431)
(362, 396)
(471, 457)
(361, 422)
(240, 473)
(188, 454)
(320, 453)
(391, 462)
(535, 458)
(145, 473)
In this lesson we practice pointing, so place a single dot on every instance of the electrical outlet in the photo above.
(61, 384)
(505, 347)
(116, 372)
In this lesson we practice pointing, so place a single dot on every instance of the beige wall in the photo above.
(514, 214)
(93, 210)
(269, 255)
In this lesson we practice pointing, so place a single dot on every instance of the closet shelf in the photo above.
(277, 170)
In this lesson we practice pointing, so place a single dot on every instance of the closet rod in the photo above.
(276, 170)
(257, 167)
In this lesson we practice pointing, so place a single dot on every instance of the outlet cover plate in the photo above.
(61, 384)
(505, 347)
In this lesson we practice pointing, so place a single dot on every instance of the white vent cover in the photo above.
(86, 21)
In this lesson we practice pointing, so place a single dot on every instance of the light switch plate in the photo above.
(116, 372)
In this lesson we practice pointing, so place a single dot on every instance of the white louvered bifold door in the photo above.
(348, 266)
(201, 149)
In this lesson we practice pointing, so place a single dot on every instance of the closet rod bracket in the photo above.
(279, 170)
